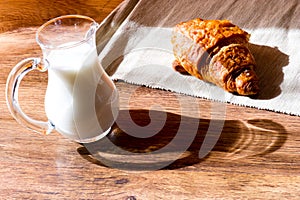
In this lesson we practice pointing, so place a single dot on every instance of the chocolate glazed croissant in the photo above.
(216, 51)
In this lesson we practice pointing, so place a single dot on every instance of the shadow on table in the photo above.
(180, 141)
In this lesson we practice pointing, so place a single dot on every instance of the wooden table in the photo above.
(255, 157)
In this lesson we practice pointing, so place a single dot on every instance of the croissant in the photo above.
(215, 51)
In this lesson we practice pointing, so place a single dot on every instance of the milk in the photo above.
(81, 100)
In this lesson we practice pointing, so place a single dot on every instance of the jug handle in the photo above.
(12, 98)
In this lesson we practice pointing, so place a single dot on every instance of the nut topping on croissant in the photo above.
(215, 51)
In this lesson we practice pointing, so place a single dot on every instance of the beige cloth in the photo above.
(134, 46)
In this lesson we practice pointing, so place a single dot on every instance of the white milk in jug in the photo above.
(81, 100)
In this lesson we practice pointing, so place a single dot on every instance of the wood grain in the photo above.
(257, 154)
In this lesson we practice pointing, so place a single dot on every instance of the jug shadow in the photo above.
(270, 62)
(237, 139)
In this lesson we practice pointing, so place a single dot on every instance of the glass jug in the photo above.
(81, 100)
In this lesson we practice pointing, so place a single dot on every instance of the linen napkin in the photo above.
(134, 45)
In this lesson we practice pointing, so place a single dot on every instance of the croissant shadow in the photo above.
(270, 62)
(237, 139)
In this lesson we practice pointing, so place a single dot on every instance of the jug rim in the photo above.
(58, 19)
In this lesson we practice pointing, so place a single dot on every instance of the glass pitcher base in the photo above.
(94, 139)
